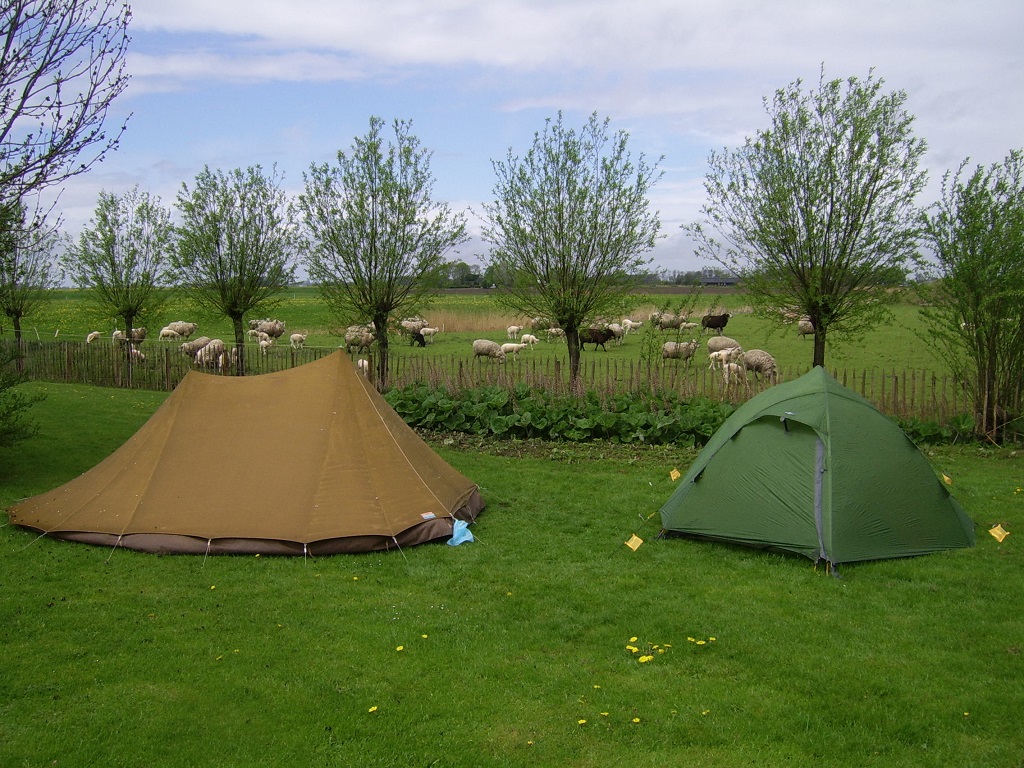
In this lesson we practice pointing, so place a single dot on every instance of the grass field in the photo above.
(512, 650)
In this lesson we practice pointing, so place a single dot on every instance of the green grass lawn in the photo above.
(512, 650)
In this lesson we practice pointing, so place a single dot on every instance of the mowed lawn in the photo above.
(514, 650)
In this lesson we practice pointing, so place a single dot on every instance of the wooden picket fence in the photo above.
(900, 393)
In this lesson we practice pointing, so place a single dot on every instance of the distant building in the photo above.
(724, 280)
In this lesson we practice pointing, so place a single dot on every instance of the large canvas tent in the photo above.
(310, 460)
(811, 467)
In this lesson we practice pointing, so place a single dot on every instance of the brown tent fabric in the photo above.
(311, 460)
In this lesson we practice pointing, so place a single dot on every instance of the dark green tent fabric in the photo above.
(811, 467)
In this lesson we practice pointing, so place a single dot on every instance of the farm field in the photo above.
(512, 650)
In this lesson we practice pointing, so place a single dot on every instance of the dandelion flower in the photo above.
(213, 586)
(581, 722)
(702, 642)
(645, 659)
(690, 639)
(636, 719)
(597, 686)
(632, 639)
(706, 711)
(423, 636)
(355, 578)
(604, 714)
(372, 709)
(400, 648)
(712, 639)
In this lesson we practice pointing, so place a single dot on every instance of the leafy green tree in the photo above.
(975, 308)
(14, 426)
(568, 226)
(27, 253)
(122, 257)
(817, 211)
(237, 245)
(377, 236)
(62, 64)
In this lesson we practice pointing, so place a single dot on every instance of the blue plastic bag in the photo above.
(460, 534)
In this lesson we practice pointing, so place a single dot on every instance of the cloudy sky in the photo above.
(235, 83)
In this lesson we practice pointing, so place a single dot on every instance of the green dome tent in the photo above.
(811, 467)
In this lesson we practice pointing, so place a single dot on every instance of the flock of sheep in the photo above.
(204, 351)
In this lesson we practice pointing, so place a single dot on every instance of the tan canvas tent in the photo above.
(306, 461)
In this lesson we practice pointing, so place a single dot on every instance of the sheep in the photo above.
(298, 340)
(760, 362)
(513, 331)
(667, 321)
(630, 325)
(555, 334)
(595, 336)
(529, 340)
(92, 337)
(273, 328)
(417, 339)
(363, 365)
(718, 343)
(413, 325)
(429, 333)
(513, 349)
(191, 348)
(137, 355)
(182, 328)
(722, 357)
(618, 332)
(679, 350)
(169, 334)
(688, 326)
(804, 327)
(117, 336)
(265, 345)
(209, 354)
(733, 373)
(487, 348)
(714, 322)
(359, 336)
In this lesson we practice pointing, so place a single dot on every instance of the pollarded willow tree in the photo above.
(236, 245)
(569, 225)
(816, 213)
(377, 237)
(121, 259)
(975, 307)
(28, 250)
(61, 67)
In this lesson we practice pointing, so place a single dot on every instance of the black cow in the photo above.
(714, 322)
(595, 336)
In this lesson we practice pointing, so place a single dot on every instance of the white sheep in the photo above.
(804, 327)
(363, 365)
(513, 331)
(117, 336)
(618, 332)
(92, 337)
(718, 343)
(733, 373)
(761, 363)
(679, 350)
(273, 328)
(298, 340)
(487, 348)
(413, 325)
(723, 356)
(630, 325)
(137, 355)
(513, 349)
(209, 354)
(169, 334)
(529, 339)
(265, 345)
(182, 328)
(556, 334)
(429, 333)
(191, 348)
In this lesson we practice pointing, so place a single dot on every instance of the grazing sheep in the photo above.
(429, 333)
(298, 340)
(804, 327)
(688, 326)
(714, 322)
(360, 337)
(679, 350)
(92, 337)
(191, 348)
(718, 343)
(513, 331)
(513, 349)
(182, 328)
(761, 363)
(529, 339)
(169, 334)
(209, 355)
(413, 325)
(487, 348)
(595, 336)
(273, 328)
(722, 357)
(555, 334)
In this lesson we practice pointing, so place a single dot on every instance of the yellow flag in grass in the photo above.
(634, 542)
(999, 532)
(674, 474)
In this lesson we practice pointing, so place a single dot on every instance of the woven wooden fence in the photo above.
(901, 393)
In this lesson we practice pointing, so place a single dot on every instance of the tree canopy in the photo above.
(817, 211)
(377, 236)
(975, 308)
(28, 249)
(569, 226)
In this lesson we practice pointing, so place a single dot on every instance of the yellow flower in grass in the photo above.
(400, 648)
(636, 719)
(645, 659)
(632, 639)
(581, 722)
(702, 642)
(604, 714)
(372, 709)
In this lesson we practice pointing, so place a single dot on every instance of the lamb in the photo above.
(363, 365)
(137, 355)
(258, 336)
(513, 349)
(359, 336)
(718, 343)
(417, 339)
(169, 334)
(429, 333)
(182, 328)
(92, 337)
(714, 322)
(723, 357)
(529, 340)
(265, 345)
(117, 336)
(487, 348)
(760, 362)
(679, 350)
(298, 340)
(513, 331)
(804, 327)
(630, 325)
(687, 326)
(733, 373)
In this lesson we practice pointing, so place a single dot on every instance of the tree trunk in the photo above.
(236, 323)
(819, 347)
(16, 321)
(572, 340)
(380, 328)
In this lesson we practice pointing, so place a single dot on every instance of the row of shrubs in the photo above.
(528, 413)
